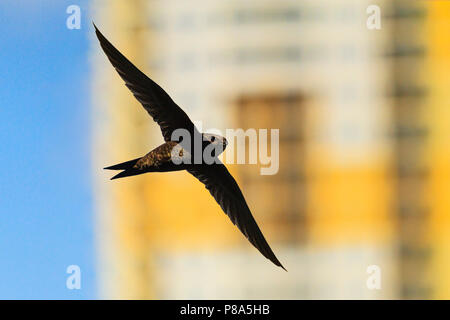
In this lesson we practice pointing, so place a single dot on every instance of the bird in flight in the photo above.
(170, 117)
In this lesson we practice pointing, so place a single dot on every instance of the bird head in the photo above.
(215, 140)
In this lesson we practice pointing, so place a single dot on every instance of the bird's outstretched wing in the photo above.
(155, 100)
(228, 195)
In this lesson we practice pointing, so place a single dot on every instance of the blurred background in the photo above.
(364, 179)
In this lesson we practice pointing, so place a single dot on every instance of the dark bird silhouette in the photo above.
(170, 117)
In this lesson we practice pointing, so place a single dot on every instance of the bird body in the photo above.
(170, 156)
(181, 151)
(159, 156)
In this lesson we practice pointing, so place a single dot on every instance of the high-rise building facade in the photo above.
(338, 93)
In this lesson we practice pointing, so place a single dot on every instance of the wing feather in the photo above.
(153, 98)
(225, 190)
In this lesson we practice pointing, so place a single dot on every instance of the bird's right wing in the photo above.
(222, 186)
(153, 98)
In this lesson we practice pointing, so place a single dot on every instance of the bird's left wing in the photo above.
(222, 186)
(153, 98)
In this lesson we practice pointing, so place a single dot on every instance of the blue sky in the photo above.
(46, 211)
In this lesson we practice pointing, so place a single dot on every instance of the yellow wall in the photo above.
(121, 214)
(438, 116)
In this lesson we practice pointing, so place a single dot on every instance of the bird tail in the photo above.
(127, 167)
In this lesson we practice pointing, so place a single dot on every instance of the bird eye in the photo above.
(213, 139)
